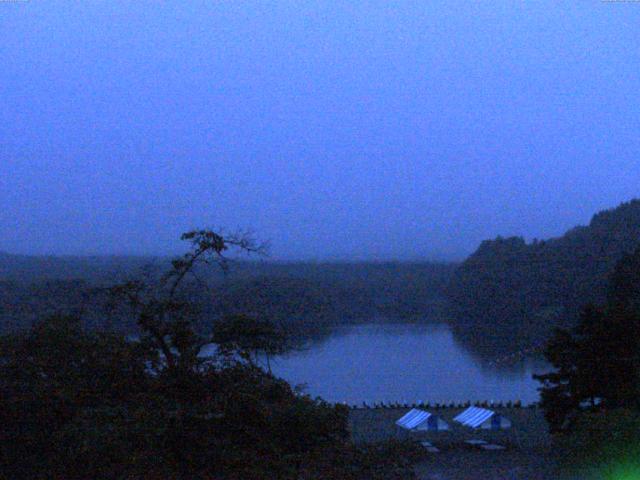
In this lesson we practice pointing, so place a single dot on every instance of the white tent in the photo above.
(476, 417)
(417, 419)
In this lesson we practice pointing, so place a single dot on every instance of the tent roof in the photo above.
(413, 418)
(474, 416)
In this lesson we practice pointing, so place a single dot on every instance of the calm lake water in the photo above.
(404, 363)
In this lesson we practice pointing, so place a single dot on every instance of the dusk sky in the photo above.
(353, 129)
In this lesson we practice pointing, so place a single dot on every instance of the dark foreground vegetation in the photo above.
(591, 399)
(79, 404)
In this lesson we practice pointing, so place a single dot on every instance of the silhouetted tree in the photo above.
(248, 338)
(597, 364)
(78, 404)
(164, 317)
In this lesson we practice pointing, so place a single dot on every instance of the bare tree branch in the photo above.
(159, 314)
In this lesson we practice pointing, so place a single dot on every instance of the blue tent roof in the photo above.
(412, 419)
(417, 419)
(474, 416)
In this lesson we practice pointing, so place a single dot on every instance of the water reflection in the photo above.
(403, 362)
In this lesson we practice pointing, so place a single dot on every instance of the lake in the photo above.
(403, 363)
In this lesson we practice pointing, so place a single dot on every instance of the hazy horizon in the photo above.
(337, 131)
(268, 257)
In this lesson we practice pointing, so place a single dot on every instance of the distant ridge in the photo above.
(508, 295)
(35, 268)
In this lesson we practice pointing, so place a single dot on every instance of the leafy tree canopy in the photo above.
(78, 403)
(597, 364)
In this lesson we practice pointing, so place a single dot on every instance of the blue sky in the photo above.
(359, 129)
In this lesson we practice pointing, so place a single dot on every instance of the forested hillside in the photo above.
(506, 297)
(509, 295)
(40, 268)
(307, 299)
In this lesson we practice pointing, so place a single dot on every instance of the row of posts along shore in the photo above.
(437, 405)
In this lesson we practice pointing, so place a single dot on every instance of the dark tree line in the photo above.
(509, 295)
(308, 299)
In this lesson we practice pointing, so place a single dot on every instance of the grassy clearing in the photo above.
(529, 429)
(528, 455)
